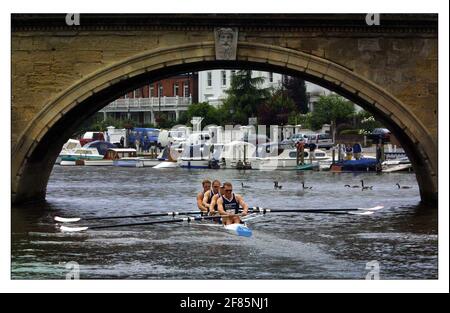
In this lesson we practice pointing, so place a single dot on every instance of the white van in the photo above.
(321, 140)
(174, 137)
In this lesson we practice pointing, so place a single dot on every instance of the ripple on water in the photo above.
(403, 236)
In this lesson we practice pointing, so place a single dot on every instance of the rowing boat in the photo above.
(236, 229)
(240, 229)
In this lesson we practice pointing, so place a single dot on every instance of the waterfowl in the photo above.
(403, 187)
(365, 187)
(276, 186)
(304, 187)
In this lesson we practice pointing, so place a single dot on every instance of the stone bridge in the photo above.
(62, 74)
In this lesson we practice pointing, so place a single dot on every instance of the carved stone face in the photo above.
(226, 39)
(226, 42)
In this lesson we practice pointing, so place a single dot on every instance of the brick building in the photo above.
(171, 96)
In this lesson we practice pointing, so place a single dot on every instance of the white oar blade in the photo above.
(66, 229)
(67, 220)
(375, 208)
(361, 213)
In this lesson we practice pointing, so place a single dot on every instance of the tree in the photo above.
(366, 122)
(209, 113)
(243, 97)
(296, 90)
(276, 110)
(304, 120)
(331, 109)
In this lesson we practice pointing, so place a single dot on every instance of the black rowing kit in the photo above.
(230, 205)
(211, 195)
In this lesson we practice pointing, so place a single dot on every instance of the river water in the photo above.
(400, 240)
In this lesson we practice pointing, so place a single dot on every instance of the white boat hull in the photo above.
(397, 168)
(151, 162)
(68, 163)
(129, 163)
(194, 163)
(274, 164)
(287, 160)
(98, 162)
(166, 164)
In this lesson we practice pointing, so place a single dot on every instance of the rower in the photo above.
(228, 205)
(206, 184)
(213, 205)
(207, 197)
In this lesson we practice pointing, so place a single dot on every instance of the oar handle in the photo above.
(172, 214)
(179, 220)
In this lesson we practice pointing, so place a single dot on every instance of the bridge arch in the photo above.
(39, 144)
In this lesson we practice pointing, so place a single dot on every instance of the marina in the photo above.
(199, 152)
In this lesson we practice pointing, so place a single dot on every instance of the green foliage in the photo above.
(163, 121)
(350, 132)
(296, 91)
(244, 98)
(331, 108)
(210, 114)
(277, 108)
(300, 119)
(366, 122)
(96, 123)
(343, 127)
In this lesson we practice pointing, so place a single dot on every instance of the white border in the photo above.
(280, 6)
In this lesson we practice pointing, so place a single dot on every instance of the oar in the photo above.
(179, 220)
(77, 219)
(363, 211)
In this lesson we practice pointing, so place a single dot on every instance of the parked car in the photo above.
(91, 136)
(321, 140)
(380, 133)
(146, 137)
(291, 141)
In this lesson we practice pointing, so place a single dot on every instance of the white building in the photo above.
(212, 85)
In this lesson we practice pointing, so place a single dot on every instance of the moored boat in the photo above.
(111, 155)
(166, 164)
(287, 160)
(397, 165)
(150, 162)
(236, 155)
(67, 149)
(195, 156)
(361, 165)
(129, 162)
(102, 162)
(68, 163)
(82, 154)
(308, 166)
